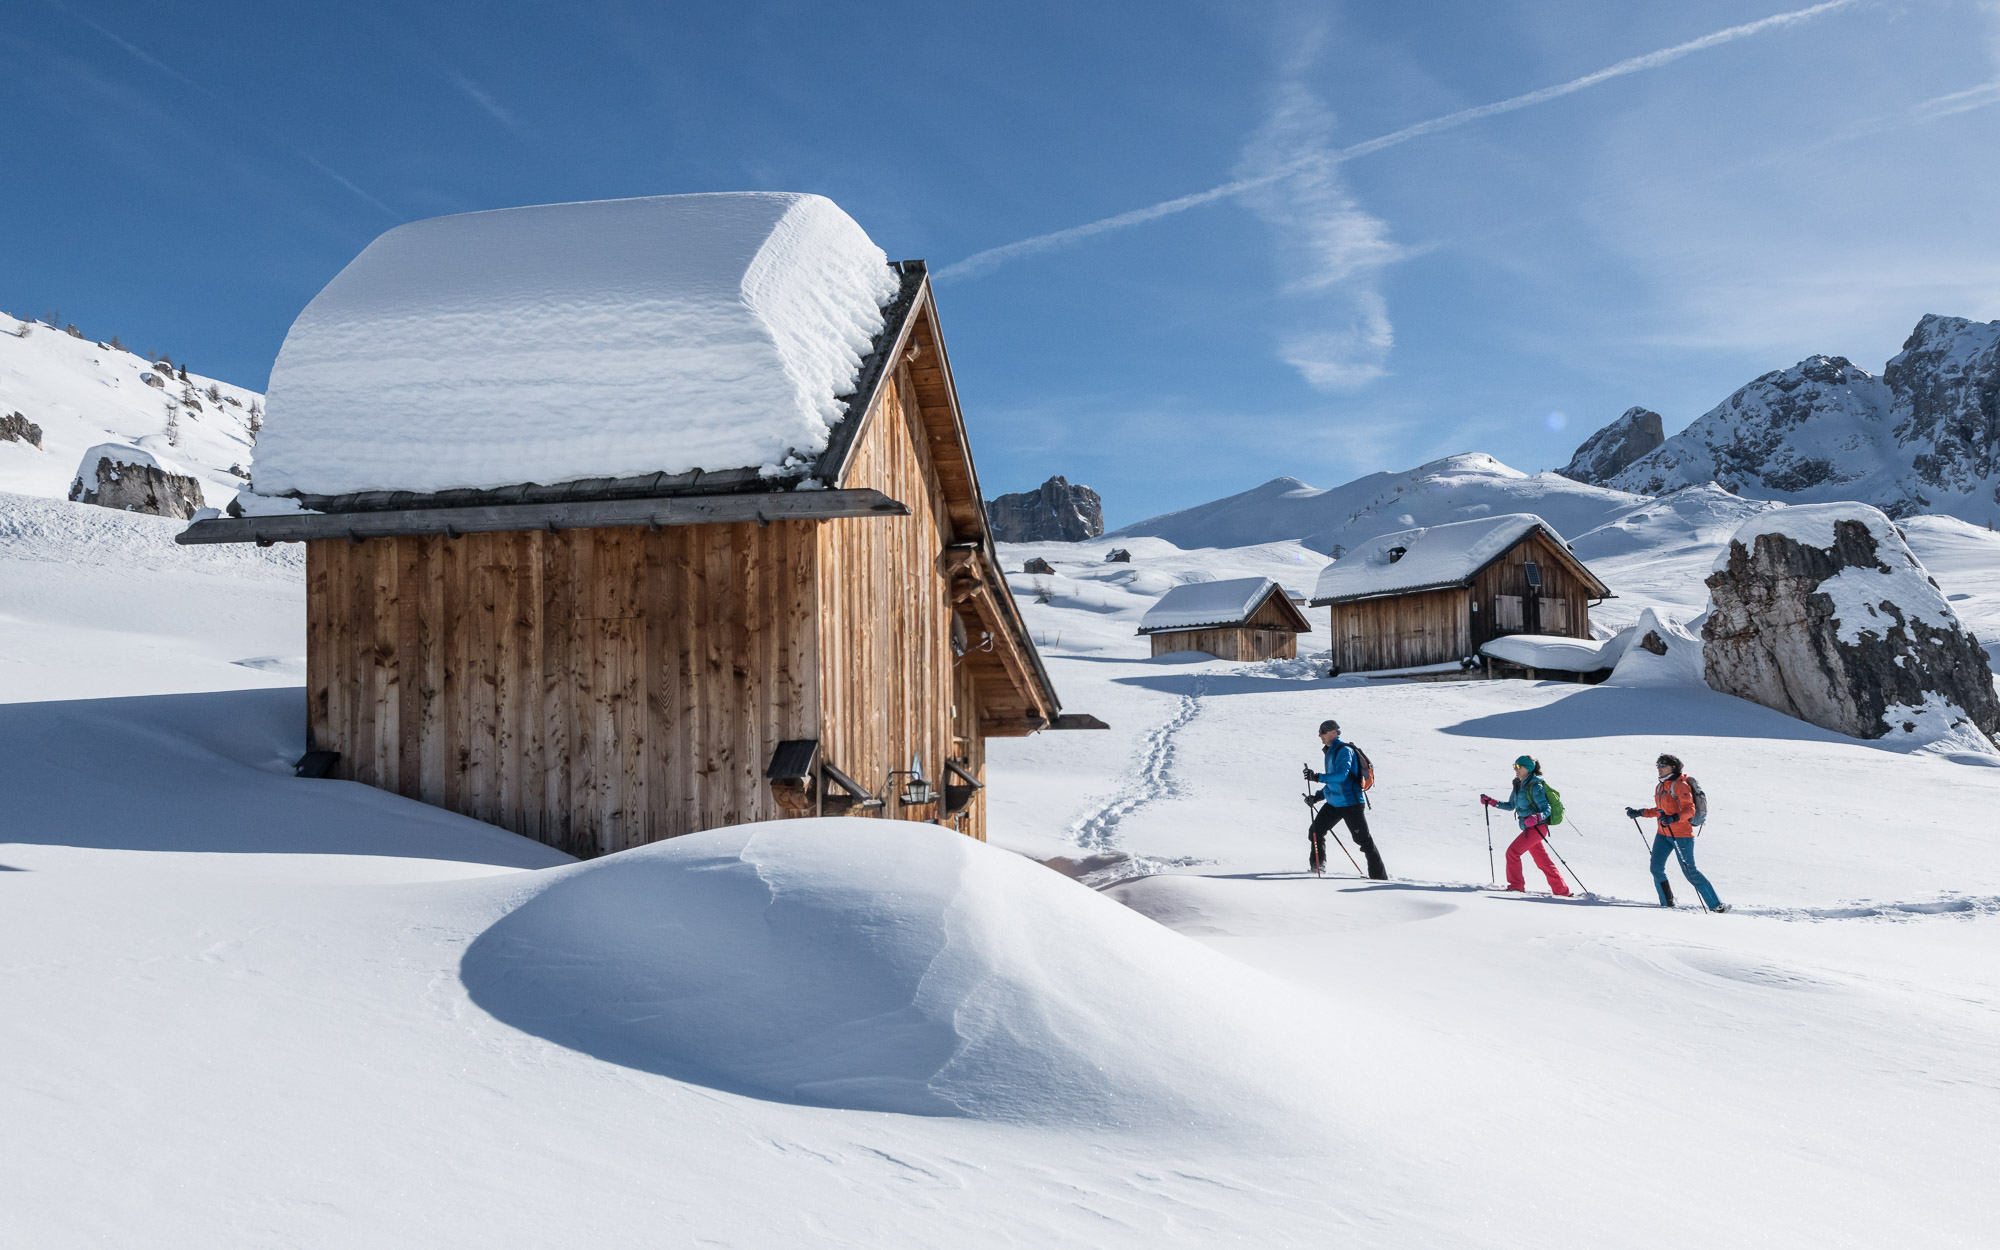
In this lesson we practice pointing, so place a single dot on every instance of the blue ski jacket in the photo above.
(1342, 777)
(1529, 799)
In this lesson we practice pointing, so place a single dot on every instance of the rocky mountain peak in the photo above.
(1054, 512)
(1612, 449)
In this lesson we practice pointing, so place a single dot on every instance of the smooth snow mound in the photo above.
(1553, 651)
(891, 966)
(569, 341)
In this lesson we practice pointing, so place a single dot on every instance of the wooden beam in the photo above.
(805, 505)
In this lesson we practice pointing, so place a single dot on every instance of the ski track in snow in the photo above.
(1153, 777)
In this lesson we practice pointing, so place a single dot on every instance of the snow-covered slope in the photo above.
(1922, 437)
(1455, 488)
(82, 393)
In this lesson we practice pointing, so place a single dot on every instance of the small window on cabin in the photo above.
(1534, 572)
(1397, 553)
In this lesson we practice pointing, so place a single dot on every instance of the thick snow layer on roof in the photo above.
(1436, 555)
(567, 341)
(1207, 603)
(1553, 651)
(1856, 592)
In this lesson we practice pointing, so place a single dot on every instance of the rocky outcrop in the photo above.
(1946, 389)
(1823, 613)
(1055, 513)
(130, 479)
(15, 428)
(1614, 448)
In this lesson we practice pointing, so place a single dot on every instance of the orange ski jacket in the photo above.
(1673, 804)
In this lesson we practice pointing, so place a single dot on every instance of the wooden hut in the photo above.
(1118, 555)
(1244, 618)
(1038, 567)
(608, 660)
(1436, 594)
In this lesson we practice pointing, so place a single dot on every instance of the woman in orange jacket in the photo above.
(1674, 806)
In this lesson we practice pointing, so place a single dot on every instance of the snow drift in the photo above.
(889, 966)
(571, 341)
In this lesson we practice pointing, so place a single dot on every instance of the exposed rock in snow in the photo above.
(131, 479)
(1657, 651)
(15, 428)
(1608, 452)
(1923, 437)
(1055, 512)
(1824, 613)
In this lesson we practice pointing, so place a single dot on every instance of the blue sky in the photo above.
(188, 175)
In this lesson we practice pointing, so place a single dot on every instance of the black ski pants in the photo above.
(1357, 828)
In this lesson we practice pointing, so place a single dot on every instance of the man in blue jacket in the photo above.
(1343, 801)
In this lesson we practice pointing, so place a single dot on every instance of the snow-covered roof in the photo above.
(1196, 604)
(1433, 557)
(564, 342)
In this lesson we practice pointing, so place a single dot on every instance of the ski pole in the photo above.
(1551, 844)
(1642, 835)
(1492, 878)
(1344, 851)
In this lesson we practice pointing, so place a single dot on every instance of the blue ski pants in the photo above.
(1664, 846)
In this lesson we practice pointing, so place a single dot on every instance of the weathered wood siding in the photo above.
(593, 689)
(1561, 607)
(1235, 642)
(892, 690)
(1400, 631)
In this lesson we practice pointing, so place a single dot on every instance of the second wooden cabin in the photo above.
(1435, 594)
(1244, 618)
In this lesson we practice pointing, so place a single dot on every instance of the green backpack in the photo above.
(1555, 803)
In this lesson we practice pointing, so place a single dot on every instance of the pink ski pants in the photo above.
(1531, 842)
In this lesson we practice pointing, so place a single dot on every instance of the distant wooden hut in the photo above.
(605, 661)
(1038, 566)
(1245, 618)
(1436, 594)
(1118, 555)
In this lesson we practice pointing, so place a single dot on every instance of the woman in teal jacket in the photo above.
(1529, 802)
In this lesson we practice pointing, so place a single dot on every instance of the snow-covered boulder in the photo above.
(1608, 452)
(1656, 651)
(1825, 614)
(885, 965)
(132, 479)
(564, 342)
(1553, 652)
(1055, 512)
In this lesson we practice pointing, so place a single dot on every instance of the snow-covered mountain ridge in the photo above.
(1924, 436)
(82, 393)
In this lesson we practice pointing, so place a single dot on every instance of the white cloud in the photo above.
(1330, 251)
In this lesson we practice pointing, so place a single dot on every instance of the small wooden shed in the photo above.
(1244, 618)
(1436, 594)
(1038, 567)
(601, 662)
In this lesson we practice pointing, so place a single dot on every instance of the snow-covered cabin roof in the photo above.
(565, 342)
(1433, 557)
(1197, 605)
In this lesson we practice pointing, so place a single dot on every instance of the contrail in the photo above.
(980, 262)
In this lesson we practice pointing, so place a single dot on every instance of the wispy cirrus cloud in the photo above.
(1330, 250)
(993, 257)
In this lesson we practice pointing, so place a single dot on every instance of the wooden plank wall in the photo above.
(1508, 576)
(593, 689)
(891, 688)
(1401, 631)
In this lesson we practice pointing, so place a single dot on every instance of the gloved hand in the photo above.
(1314, 798)
(1310, 774)
(1488, 800)
(1632, 813)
